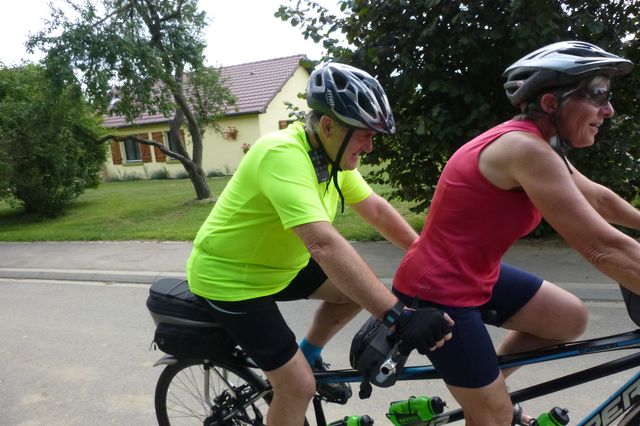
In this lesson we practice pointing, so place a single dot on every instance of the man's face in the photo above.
(361, 141)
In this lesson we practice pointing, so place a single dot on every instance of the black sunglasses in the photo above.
(598, 95)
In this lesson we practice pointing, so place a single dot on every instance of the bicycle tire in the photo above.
(631, 417)
(181, 395)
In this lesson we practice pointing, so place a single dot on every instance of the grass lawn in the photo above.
(148, 210)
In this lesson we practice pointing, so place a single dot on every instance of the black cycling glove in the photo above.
(421, 329)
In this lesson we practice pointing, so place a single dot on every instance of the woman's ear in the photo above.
(549, 103)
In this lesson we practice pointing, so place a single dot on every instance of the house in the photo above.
(261, 90)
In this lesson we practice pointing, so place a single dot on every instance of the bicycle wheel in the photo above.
(203, 392)
(631, 416)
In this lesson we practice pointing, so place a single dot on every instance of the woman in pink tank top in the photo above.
(493, 191)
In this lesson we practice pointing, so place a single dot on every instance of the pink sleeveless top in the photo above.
(469, 227)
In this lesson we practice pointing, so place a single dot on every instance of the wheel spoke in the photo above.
(196, 392)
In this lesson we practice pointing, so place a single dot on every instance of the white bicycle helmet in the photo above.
(558, 65)
(350, 96)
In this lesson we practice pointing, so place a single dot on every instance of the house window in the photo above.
(132, 151)
(282, 124)
(173, 144)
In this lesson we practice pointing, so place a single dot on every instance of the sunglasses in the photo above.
(598, 95)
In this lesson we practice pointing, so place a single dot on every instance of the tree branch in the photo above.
(158, 145)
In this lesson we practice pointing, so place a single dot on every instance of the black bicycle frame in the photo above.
(612, 408)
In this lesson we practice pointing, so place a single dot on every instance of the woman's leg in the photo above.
(487, 405)
(469, 366)
(552, 315)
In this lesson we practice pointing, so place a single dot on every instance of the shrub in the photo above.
(48, 135)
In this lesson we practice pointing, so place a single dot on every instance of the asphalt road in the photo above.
(78, 353)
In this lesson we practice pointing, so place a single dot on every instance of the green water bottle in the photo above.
(353, 421)
(415, 410)
(556, 417)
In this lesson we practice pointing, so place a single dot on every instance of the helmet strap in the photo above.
(335, 164)
(560, 146)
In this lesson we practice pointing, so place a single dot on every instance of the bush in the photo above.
(48, 136)
(161, 174)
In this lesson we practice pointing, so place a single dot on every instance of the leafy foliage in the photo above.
(441, 64)
(47, 139)
(139, 56)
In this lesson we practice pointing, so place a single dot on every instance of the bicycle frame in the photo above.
(167, 303)
(618, 403)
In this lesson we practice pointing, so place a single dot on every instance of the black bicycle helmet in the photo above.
(350, 96)
(558, 65)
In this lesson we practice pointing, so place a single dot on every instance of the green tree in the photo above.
(441, 63)
(47, 141)
(138, 56)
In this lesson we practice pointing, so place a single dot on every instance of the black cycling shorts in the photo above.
(257, 324)
(469, 359)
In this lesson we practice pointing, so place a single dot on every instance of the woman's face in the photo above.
(584, 111)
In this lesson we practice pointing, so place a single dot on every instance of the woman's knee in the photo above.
(553, 313)
(488, 405)
(496, 415)
(577, 318)
(573, 317)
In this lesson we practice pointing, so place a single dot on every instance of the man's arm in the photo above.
(345, 268)
(381, 215)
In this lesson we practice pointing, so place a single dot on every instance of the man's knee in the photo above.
(298, 387)
(329, 292)
(294, 380)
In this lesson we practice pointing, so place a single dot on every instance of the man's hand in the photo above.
(424, 329)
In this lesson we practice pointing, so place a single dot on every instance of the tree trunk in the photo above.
(199, 180)
(193, 168)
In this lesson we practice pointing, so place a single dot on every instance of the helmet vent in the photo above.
(340, 81)
(366, 105)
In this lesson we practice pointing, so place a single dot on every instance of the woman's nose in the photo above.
(608, 110)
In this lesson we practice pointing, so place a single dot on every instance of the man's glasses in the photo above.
(597, 95)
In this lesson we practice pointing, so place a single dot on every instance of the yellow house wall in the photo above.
(224, 155)
(220, 155)
(277, 110)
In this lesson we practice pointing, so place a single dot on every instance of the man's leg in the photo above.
(332, 315)
(259, 328)
(293, 387)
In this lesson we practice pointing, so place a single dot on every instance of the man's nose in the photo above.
(368, 145)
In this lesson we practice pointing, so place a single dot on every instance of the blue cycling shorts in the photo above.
(469, 359)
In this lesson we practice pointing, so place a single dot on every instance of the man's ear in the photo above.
(549, 103)
(326, 125)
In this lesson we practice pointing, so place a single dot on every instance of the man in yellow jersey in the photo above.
(269, 238)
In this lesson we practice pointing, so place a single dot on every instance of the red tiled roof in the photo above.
(254, 85)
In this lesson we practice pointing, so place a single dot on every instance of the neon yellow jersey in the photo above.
(246, 248)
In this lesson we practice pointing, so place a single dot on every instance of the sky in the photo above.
(240, 31)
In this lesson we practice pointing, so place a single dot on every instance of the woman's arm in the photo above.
(517, 160)
(612, 207)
